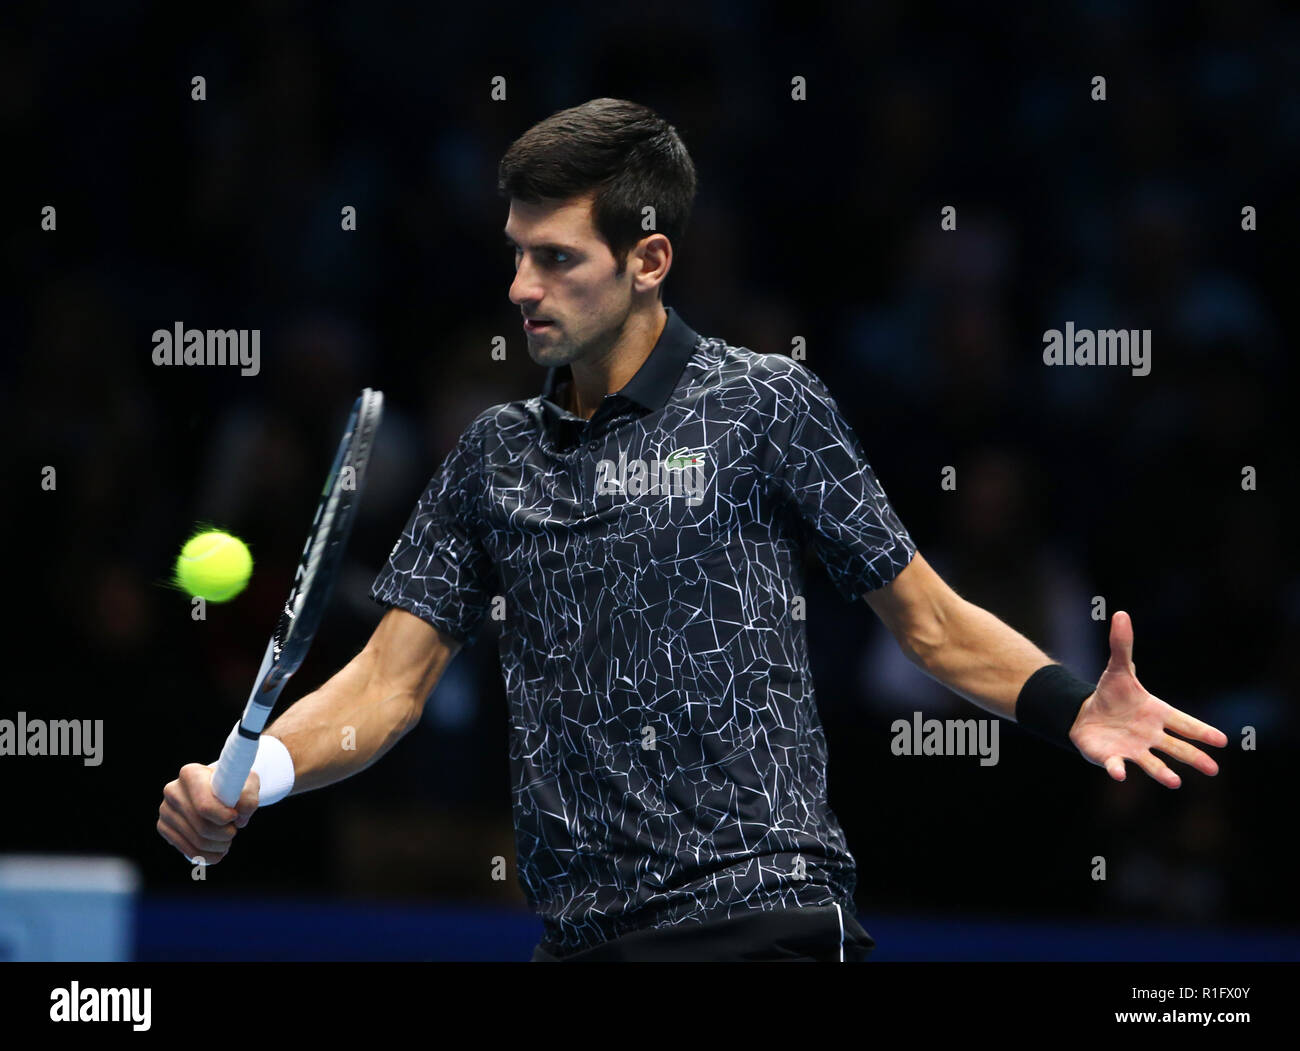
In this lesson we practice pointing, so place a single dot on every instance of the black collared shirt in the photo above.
(667, 758)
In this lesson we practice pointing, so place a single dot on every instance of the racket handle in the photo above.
(233, 767)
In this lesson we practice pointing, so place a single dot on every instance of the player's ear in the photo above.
(655, 254)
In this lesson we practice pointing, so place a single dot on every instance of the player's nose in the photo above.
(525, 288)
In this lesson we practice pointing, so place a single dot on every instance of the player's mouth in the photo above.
(536, 324)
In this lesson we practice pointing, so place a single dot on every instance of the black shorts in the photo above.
(820, 934)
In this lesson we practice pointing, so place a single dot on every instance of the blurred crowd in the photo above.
(818, 219)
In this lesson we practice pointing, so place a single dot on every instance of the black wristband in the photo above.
(1049, 702)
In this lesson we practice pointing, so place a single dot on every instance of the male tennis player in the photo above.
(640, 526)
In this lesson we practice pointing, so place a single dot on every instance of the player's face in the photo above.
(564, 274)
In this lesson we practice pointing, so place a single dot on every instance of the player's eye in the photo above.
(557, 256)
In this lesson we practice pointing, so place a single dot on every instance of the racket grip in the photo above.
(233, 767)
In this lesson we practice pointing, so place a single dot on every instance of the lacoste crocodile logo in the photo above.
(684, 457)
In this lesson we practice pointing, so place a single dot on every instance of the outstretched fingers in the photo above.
(1194, 730)
(1154, 768)
(1187, 753)
(1158, 771)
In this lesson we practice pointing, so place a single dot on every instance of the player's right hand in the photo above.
(194, 821)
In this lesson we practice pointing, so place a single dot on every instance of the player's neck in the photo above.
(592, 380)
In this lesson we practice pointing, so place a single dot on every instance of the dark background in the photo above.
(816, 218)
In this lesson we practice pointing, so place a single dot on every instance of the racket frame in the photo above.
(313, 582)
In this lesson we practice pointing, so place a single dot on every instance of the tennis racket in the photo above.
(312, 584)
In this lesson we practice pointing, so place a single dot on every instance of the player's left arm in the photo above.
(980, 658)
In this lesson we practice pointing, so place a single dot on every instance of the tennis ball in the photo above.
(214, 565)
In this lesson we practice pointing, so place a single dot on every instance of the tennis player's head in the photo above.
(581, 185)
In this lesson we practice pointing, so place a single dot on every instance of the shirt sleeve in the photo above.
(818, 469)
(438, 569)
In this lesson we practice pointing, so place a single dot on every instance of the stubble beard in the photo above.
(551, 351)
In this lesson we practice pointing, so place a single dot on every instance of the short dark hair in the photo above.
(624, 152)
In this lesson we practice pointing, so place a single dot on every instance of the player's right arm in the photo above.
(365, 709)
(332, 733)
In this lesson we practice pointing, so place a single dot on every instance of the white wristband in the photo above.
(274, 768)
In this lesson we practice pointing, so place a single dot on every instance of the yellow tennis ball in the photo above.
(214, 565)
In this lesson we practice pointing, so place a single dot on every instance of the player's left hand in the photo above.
(1120, 720)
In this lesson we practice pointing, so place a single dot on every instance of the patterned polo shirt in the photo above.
(667, 758)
